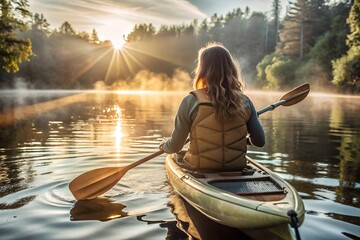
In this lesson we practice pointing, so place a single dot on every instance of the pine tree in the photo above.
(13, 48)
(305, 21)
(141, 32)
(94, 37)
(67, 29)
(293, 36)
(276, 8)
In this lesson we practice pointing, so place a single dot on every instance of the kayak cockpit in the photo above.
(251, 182)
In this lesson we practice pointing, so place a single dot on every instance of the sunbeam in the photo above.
(110, 66)
(127, 57)
(90, 65)
(163, 58)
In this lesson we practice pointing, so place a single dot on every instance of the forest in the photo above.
(316, 42)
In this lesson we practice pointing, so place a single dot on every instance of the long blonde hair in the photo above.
(219, 74)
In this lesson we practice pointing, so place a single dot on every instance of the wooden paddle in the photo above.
(290, 98)
(93, 183)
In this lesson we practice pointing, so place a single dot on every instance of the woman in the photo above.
(218, 116)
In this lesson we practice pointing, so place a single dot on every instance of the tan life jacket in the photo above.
(215, 145)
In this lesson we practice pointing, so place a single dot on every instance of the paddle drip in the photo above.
(294, 223)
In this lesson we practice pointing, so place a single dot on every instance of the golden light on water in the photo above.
(118, 134)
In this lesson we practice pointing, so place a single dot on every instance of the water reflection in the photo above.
(174, 231)
(198, 226)
(101, 209)
(119, 128)
(323, 144)
(17, 204)
(314, 145)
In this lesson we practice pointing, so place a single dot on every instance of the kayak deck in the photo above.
(250, 184)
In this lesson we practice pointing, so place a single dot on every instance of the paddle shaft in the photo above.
(281, 102)
(145, 159)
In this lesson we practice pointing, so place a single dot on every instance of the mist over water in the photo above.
(150, 81)
(50, 137)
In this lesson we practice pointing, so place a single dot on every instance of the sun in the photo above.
(118, 44)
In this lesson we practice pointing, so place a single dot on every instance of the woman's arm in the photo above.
(255, 129)
(183, 120)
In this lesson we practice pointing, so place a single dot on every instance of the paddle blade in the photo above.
(296, 95)
(92, 184)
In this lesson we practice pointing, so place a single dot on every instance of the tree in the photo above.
(203, 34)
(353, 39)
(276, 8)
(233, 32)
(292, 36)
(331, 45)
(94, 37)
(35, 70)
(67, 29)
(141, 32)
(190, 29)
(167, 31)
(13, 48)
(346, 70)
(253, 43)
(40, 23)
(216, 27)
(38, 32)
(305, 21)
(83, 35)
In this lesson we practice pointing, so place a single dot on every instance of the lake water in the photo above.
(50, 137)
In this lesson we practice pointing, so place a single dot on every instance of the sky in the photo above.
(114, 18)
